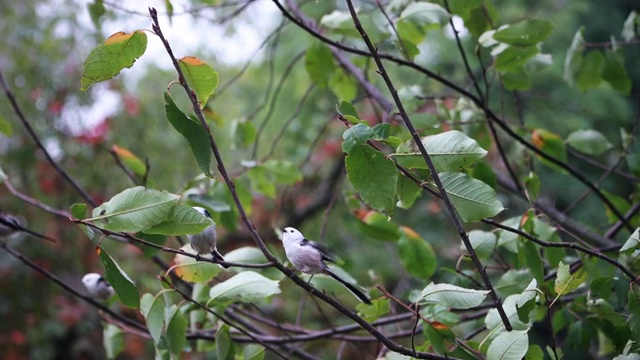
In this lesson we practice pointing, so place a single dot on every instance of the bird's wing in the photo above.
(322, 249)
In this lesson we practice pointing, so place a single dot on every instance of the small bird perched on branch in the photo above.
(309, 257)
(204, 243)
(97, 286)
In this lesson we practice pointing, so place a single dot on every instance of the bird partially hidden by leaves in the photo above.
(309, 257)
(97, 286)
(204, 243)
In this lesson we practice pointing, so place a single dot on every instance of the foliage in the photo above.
(472, 163)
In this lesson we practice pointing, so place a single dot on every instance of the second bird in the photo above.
(204, 243)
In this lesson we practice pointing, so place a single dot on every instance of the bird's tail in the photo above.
(354, 290)
(215, 254)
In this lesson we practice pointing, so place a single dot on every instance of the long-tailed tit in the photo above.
(309, 257)
(9, 224)
(97, 286)
(204, 243)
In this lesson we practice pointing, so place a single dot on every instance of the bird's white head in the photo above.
(91, 280)
(291, 234)
(202, 211)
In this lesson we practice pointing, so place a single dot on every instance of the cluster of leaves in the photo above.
(574, 288)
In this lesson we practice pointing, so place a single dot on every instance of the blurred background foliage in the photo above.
(44, 46)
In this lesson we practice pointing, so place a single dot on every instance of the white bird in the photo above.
(309, 257)
(97, 286)
(204, 243)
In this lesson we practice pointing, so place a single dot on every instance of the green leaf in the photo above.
(5, 127)
(534, 353)
(120, 281)
(200, 76)
(416, 255)
(630, 26)
(483, 242)
(373, 176)
(346, 108)
(533, 260)
(247, 286)
(616, 75)
(452, 296)
(112, 340)
(243, 133)
(473, 199)
(181, 221)
(377, 226)
(96, 11)
(566, 281)
(513, 58)
(574, 57)
(449, 151)
(590, 73)
(253, 352)
(152, 308)
(511, 345)
(513, 282)
(550, 144)
(135, 209)
(189, 269)
(532, 186)
(526, 302)
(485, 173)
(195, 134)
(382, 131)
(282, 171)
(632, 242)
(130, 160)
(621, 204)
(319, 63)
(106, 61)
(246, 254)
(356, 135)
(261, 181)
(525, 33)
(590, 142)
(406, 192)
(425, 13)
(343, 85)
(176, 330)
(518, 81)
(79, 210)
(373, 312)
(224, 345)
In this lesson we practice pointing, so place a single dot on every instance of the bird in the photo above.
(97, 286)
(9, 224)
(204, 243)
(309, 257)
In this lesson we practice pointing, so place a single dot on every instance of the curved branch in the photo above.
(36, 139)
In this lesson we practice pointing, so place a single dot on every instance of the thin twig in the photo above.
(73, 291)
(36, 139)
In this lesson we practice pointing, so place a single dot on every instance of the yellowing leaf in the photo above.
(191, 270)
(200, 76)
(106, 61)
(130, 160)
